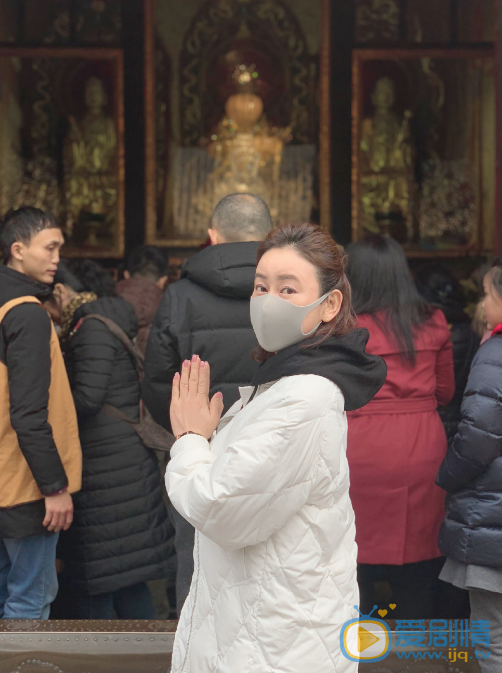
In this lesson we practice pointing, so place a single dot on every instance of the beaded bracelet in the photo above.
(189, 432)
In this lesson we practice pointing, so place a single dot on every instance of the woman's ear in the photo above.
(331, 307)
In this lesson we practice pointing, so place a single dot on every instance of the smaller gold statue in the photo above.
(386, 153)
(90, 165)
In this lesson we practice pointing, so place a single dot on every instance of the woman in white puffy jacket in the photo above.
(267, 488)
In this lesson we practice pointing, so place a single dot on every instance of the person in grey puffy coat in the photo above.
(471, 473)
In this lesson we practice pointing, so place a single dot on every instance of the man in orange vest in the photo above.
(40, 455)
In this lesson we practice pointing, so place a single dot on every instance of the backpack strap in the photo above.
(119, 333)
(9, 305)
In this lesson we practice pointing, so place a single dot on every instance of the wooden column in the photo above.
(132, 21)
(342, 40)
(498, 75)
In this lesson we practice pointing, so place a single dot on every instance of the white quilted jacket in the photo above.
(275, 556)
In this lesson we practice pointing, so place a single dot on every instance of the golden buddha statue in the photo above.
(247, 150)
(90, 165)
(386, 156)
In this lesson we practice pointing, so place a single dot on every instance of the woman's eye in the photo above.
(288, 290)
(260, 288)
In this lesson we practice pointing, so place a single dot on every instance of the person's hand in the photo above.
(191, 409)
(58, 512)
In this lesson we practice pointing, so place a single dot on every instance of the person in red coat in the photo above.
(397, 442)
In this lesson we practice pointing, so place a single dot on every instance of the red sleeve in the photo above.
(445, 372)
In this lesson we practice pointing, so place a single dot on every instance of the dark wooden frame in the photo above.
(359, 57)
(150, 167)
(93, 54)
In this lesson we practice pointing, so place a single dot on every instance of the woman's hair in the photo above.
(494, 276)
(381, 283)
(316, 247)
(84, 275)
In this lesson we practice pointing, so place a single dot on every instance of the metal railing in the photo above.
(120, 646)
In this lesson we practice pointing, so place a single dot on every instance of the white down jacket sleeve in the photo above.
(265, 474)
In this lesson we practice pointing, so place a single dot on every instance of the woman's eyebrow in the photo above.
(288, 276)
(260, 275)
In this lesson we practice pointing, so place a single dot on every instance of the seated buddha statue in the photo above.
(247, 150)
(90, 164)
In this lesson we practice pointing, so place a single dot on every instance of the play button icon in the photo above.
(365, 639)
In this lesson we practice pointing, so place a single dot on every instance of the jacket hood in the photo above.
(227, 269)
(14, 284)
(144, 296)
(115, 308)
(342, 360)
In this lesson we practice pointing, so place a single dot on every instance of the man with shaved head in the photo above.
(207, 312)
(239, 218)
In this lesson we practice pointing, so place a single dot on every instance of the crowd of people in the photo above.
(336, 435)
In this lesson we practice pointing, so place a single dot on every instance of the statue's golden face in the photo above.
(383, 95)
(95, 96)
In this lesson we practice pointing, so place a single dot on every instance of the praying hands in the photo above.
(191, 409)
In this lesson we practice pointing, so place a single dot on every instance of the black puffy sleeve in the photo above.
(478, 441)
(162, 361)
(93, 354)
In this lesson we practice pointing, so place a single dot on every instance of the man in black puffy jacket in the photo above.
(207, 313)
(471, 473)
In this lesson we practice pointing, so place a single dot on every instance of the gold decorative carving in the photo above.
(83, 174)
(192, 118)
(377, 20)
(437, 168)
(200, 42)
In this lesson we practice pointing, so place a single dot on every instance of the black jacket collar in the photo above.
(342, 360)
(14, 284)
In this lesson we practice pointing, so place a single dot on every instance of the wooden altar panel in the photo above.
(471, 124)
(156, 233)
(43, 95)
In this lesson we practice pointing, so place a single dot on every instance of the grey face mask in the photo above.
(277, 322)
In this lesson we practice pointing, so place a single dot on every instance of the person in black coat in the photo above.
(207, 312)
(40, 453)
(119, 538)
(438, 287)
(471, 473)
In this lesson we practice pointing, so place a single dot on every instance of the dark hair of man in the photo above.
(437, 285)
(381, 284)
(19, 226)
(85, 275)
(65, 276)
(315, 246)
(242, 217)
(147, 261)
